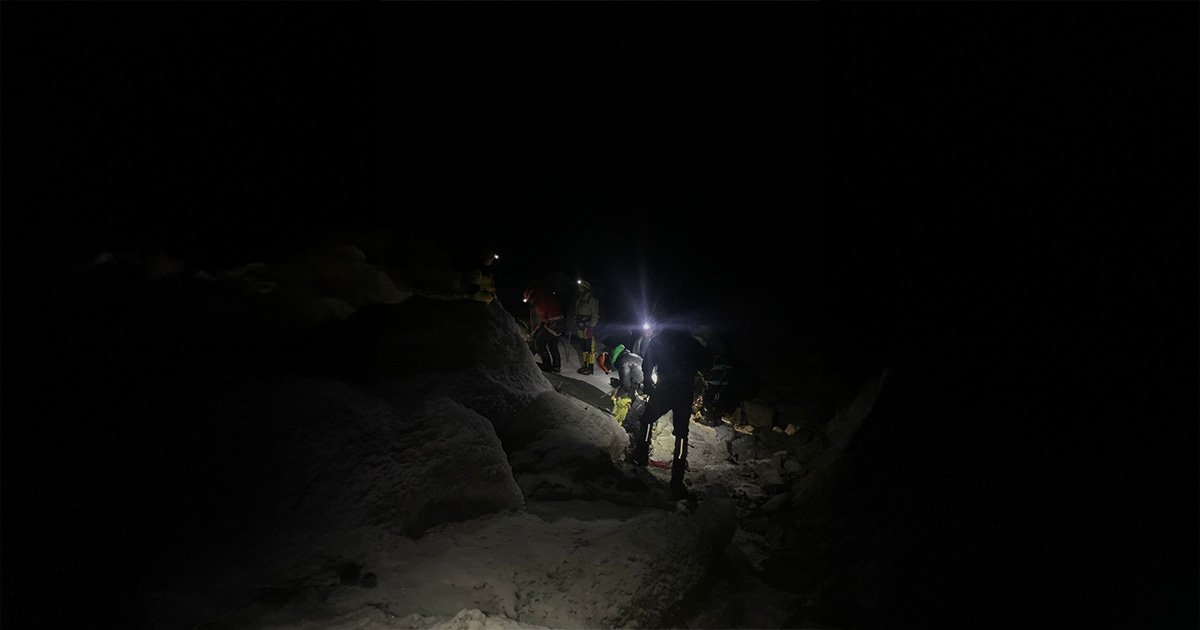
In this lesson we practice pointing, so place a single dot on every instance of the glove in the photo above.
(589, 332)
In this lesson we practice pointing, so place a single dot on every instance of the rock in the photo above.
(791, 429)
(755, 525)
(749, 491)
(776, 502)
(716, 517)
(339, 309)
(791, 465)
(630, 483)
(475, 619)
(341, 271)
(758, 416)
(767, 472)
(742, 449)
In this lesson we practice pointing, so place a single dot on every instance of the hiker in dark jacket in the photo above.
(673, 359)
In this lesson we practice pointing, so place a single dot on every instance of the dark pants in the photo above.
(715, 387)
(587, 346)
(547, 345)
(676, 399)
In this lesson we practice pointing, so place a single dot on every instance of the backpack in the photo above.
(604, 363)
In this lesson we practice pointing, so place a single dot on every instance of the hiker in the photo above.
(717, 378)
(639, 346)
(673, 358)
(629, 366)
(547, 333)
(480, 284)
(628, 403)
(587, 315)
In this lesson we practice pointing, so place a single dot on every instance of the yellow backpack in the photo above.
(620, 408)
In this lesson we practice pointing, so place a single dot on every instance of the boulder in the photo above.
(716, 518)
(748, 491)
(476, 620)
(776, 502)
(341, 271)
(767, 472)
(756, 525)
(447, 466)
(758, 416)
(293, 463)
(742, 449)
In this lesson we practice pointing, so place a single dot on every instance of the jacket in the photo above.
(484, 286)
(677, 356)
(587, 311)
(547, 308)
(629, 365)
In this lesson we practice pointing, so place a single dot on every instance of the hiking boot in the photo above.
(582, 370)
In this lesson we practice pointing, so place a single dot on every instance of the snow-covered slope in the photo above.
(384, 482)
(324, 443)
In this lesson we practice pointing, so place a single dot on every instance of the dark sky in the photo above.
(916, 165)
(553, 133)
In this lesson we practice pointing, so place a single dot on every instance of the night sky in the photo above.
(893, 182)
(673, 167)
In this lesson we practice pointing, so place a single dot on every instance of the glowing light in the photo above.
(495, 256)
(646, 326)
(579, 282)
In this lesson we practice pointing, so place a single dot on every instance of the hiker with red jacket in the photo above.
(547, 334)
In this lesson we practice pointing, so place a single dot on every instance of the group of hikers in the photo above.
(552, 326)
(657, 373)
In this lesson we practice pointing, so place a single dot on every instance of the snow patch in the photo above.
(519, 569)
